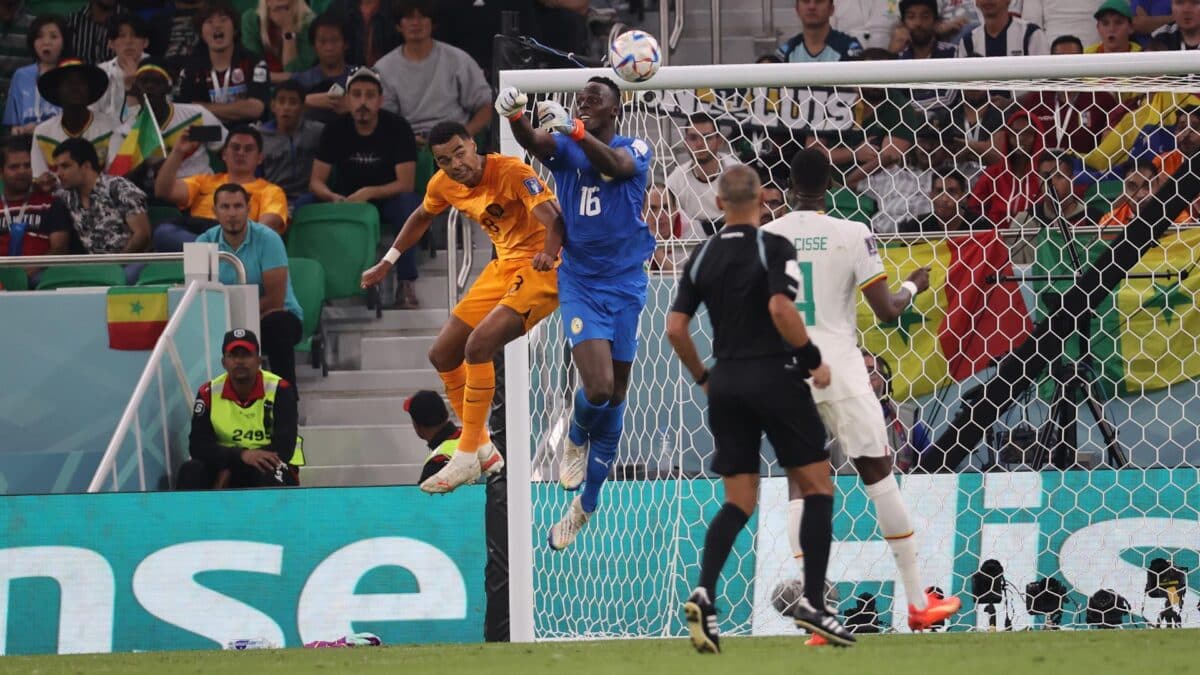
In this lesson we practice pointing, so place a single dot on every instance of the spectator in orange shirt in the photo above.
(1187, 144)
(243, 153)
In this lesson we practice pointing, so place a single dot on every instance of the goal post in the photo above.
(1042, 493)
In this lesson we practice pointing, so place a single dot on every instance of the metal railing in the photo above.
(131, 418)
(113, 259)
(458, 275)
(668, 34)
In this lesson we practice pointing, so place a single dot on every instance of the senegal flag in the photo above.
(953, 330)
(143, 141)
(137, 315)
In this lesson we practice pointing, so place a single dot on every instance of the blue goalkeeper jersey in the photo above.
(605, 234)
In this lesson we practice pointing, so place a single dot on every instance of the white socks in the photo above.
(892, 515)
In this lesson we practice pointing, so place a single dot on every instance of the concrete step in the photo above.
(354, 319)
(436, 266)
(386, 353)
(357, 476)
(367, 383)
(362, 445)
(326, 410)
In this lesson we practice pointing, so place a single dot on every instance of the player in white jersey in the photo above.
(837, 259)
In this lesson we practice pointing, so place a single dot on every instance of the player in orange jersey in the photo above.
(512, 294)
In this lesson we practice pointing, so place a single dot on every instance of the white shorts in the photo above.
(857, 425)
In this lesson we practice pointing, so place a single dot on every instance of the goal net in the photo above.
(1042, 396)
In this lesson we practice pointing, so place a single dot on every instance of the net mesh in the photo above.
(1009, 191)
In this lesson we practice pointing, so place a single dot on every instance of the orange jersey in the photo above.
(502, 204)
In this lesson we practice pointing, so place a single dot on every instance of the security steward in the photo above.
(748, 280)
(431, 422)
(244, 425)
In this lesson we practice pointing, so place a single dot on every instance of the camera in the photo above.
(1106, 609)
(987, 585)
(1046, 597)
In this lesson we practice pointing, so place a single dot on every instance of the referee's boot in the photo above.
(822, 622)
(562, 534)
(702, 622)
(936, 610)
(572, 465)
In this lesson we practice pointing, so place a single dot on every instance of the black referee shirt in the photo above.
(734, 274)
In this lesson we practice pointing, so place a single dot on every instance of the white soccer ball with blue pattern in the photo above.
(635, 56)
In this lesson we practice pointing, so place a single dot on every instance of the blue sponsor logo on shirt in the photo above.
(534, 186)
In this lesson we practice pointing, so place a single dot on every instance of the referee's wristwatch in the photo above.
(703, 379)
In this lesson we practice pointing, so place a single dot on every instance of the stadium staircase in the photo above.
(353, 421)
(744, 36)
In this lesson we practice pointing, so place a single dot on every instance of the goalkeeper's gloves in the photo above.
(553, 117)
(511, 103)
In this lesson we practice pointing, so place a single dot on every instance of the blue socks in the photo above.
(583, 418)
(605, 435)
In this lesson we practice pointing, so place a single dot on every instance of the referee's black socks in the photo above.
(816, 533)
(722, 531)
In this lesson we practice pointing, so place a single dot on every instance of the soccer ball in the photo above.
(634, 56)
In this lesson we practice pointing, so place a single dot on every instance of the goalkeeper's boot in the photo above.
(572, 467)
(462, 468)
(702, 622)
(822, 622)
(815, 640)
(936, 610)
(490, 460)
(563, 533)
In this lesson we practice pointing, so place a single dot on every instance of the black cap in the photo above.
(240, 337)
(931, 4)
(426, 408)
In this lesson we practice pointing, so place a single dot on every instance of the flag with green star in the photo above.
(137, 316)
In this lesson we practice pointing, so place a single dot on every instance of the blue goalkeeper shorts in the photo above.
(603, 309)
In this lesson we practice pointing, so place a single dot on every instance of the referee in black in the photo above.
(748, 278)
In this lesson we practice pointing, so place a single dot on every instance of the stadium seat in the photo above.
(308, 283)
(60, 7)
(160, 213)
(13, 279)
(161, 273)
(846, 203)
(75, 276)
(342, 238)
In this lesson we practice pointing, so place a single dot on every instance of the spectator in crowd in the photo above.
(774, 202)
(175, 33)
(15, 24)
(1061, 17)
(1184, 30)
(152, 82)
(900, 185)
(427, 82)
(693, 185)
(1074, 120)
(244, 424)
(128, 38)
(221, 76)
(243, 153)
(374, 154)
(920, 23)
(89, 30)
(959, 17)
(948, 196)
(872, 24)
(1114, 25)
(431, 423)
(1149, 16)
(982, 122)
(322, 101)
(72, 86)
(563, 24)
(1062, 198)
(1066, 45)
(25, 107)
(1002, 34)
(908, 436)
(277, 31)
(109, 212)
(263, 255)
(664, 220)
(1011, 185)
(32, 221)
(1141, 181)
(290, 144)
(818, 40)
(371, 28)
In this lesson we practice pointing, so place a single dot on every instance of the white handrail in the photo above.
(115, 259)
(130, 414)
(1148, 64)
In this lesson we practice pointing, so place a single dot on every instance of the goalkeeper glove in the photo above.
(553, 117)
(511, 103)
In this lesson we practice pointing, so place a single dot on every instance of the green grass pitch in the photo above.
(1134, 652)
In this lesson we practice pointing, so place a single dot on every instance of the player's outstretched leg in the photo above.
(562, 534)
(606, 433)
(572, 465)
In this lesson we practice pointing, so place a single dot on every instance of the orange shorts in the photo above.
(513, 284)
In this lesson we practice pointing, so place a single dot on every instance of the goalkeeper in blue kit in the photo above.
(601, 181)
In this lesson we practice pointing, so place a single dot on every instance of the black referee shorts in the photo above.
(747, 398)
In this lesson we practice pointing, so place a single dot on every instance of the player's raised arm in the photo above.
(600, 104)
(414, 228)
(510, 103)
(550, 215)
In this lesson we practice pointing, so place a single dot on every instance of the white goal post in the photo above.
(1092, 528)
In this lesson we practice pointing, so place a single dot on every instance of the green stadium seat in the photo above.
(13, 279)
(848, 204)
(161, 274)
(160, 213)
(60, 7)
(308, 283)
(75, 276)
(343, 238)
